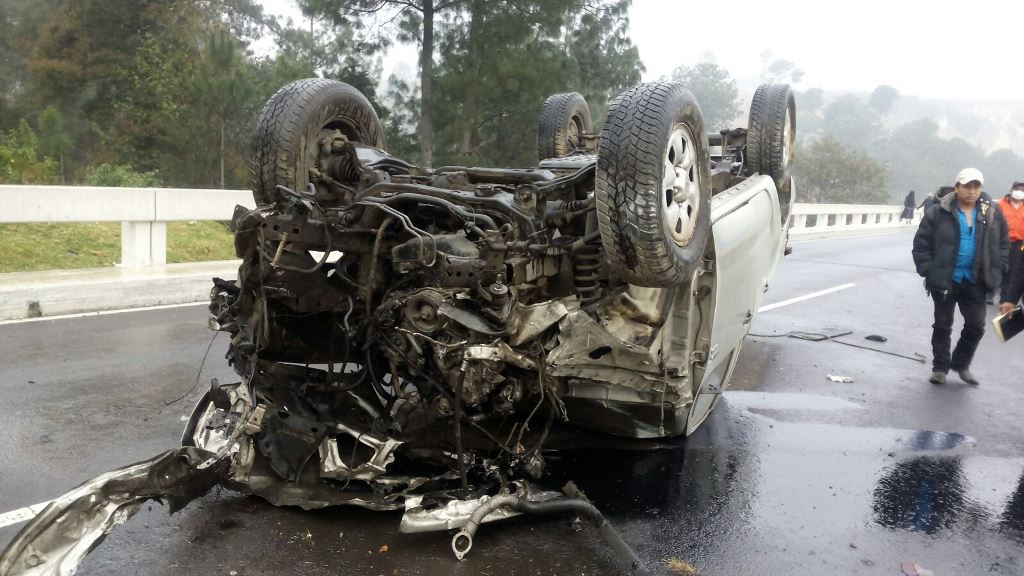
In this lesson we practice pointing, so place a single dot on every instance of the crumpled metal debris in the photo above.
(844, 379)
(58, 538)
(421, 516)
(573, 501)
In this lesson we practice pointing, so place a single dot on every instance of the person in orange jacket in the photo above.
(1012, 207)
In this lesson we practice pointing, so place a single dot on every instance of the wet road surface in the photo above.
(792, 473)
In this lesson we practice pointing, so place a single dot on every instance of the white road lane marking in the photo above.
(22, 514)
(805, 297)
(867, 234)
(205, 302)
(102, 313)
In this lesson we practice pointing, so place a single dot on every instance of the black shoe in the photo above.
(967, 377)
(938, 377)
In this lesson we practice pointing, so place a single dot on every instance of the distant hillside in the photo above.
(989, 125)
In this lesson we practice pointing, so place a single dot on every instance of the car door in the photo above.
(747, 238)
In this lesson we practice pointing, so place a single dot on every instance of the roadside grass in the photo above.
(33, 247)
(199, 242)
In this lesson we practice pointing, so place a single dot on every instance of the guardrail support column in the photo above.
(143, 244)
(158, 244)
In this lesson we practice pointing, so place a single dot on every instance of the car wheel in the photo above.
(653, 184)
(294, 121)
(771, 137)
(564, 119)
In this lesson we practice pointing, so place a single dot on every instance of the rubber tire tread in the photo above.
(765, 131)
(556, 113)
(628, 184)
(289, 123)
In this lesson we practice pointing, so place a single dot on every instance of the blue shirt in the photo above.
(965, 256)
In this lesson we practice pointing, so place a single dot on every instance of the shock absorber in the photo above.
(586, 272)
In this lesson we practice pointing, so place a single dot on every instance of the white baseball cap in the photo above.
(969, 175)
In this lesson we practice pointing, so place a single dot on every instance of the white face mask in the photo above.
(1017, 194)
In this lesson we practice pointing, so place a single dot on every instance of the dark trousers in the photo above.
(1016, 261)
(971, 300)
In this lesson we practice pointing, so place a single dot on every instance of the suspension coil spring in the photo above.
(586, 272)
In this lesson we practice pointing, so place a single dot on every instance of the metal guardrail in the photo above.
(144, 213)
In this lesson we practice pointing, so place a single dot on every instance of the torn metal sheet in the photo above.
(636, 314)
(312, 494)
(59, 537)
(535, 319)
(333, 464)
(587, 349)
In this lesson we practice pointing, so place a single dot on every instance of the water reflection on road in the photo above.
(749, 481)
(772, 484)
(932, 493)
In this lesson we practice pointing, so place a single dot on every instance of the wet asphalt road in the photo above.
(792, 474)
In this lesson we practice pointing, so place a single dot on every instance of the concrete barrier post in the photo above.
(158, 244)
(143, 244)
(135, 243)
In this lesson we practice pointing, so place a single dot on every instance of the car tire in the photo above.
(771, 137)
(286, 145)
(564, 119)
(654, 224)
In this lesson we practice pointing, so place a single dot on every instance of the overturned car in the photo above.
(405, 337)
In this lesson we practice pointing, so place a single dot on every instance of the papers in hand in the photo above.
(1009, 325)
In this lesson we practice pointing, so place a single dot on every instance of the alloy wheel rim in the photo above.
(680, 185)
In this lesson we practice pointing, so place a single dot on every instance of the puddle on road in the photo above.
(747, 481)
(748, 400)
(747, 494)
(932, 440)
(923, 494)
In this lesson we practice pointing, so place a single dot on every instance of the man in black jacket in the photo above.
(961, 249)
(1013, 290)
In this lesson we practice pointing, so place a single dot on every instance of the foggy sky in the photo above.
(935, 49)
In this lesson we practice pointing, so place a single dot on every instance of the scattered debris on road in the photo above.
(677, 566)
(911, 569)
(817, 337)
